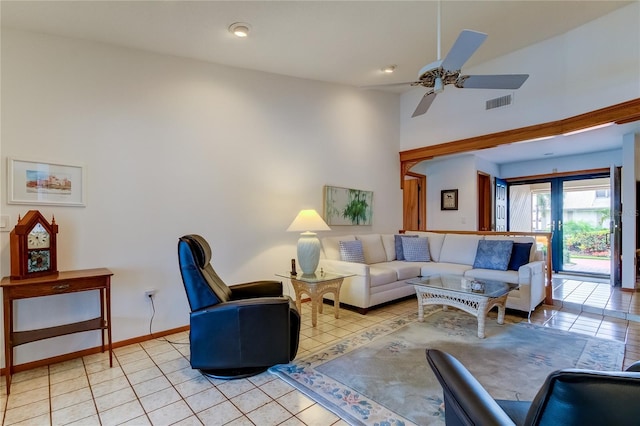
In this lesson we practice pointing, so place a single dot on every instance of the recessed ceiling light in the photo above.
(240, 29)
(388, 69)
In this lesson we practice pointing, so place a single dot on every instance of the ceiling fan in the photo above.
(438, 74)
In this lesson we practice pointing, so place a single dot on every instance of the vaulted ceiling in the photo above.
(344, 42)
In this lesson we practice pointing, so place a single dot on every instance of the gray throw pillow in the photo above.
(398, 243)
(351, 251)
(416, 249)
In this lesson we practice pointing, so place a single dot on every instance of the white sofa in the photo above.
(381, 278)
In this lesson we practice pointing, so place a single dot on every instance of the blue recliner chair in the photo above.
(569, 397)
(236, 331)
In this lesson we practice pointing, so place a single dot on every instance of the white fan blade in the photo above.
(504, 81)
(467, 43)
(425, 103)
(380, 86)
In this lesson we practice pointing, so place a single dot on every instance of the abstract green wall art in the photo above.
(345, 206)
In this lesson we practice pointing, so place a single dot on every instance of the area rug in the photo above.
(381, 376)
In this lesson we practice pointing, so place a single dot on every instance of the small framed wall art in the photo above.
(37, 182)
(449, 199)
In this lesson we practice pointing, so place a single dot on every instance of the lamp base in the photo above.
(308, 252)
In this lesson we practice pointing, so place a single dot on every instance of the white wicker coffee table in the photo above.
(456, 291)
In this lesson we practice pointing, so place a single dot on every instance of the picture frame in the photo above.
(346, 206)
(449, 199)
(45, 183)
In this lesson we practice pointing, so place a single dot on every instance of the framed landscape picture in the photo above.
(345, 206)
(37, 182)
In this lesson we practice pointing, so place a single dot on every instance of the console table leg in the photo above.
(8, 348)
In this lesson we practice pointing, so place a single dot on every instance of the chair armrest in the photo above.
(466, 401)
(528, 271)
(635, 367)
(265, 288)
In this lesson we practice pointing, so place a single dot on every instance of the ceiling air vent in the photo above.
(498, 102)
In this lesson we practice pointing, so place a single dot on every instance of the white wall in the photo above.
(591, 67)
(456, 173)
(629, 218)
(173, 146)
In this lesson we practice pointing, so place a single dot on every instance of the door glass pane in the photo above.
(586, 213)
(530, 210)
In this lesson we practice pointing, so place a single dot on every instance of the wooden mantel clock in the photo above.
(33, 247)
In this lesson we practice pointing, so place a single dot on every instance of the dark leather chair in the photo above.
(235, 331)
(567, 397)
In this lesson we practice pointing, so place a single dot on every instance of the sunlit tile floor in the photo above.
(152, 382)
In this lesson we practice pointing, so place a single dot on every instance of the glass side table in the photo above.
(315, 286)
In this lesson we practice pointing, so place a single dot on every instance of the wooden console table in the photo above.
(61, 283)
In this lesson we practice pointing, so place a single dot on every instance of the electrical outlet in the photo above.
(148, 294)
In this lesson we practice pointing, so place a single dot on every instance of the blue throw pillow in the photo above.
(519, 255)
(416, 249)
(398, 242)
(493, 254)
(351, 251)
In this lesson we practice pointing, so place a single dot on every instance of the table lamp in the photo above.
(306, 222)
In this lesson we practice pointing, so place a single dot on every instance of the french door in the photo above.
(577, 210)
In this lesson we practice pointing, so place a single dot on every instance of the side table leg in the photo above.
(298, 292)
(314, 311)
(336, 299)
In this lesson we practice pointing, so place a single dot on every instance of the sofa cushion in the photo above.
(381, 274)
(331, 248)
(372, 248)
(389, 243)
(431, 268)
(405, 270)
(351, 251)
(493, 254)
(415, 249)
(399, 248)
(459, 248)
(520, 255)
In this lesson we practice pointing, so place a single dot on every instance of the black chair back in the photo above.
(203, 286)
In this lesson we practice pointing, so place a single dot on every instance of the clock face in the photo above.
(38, 237)
(39, 261)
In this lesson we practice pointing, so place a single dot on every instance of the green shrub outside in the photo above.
(582, 238)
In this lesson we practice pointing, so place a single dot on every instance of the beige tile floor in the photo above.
(152, 382)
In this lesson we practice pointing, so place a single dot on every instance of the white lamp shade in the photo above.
(308, 244)
(308, 220)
